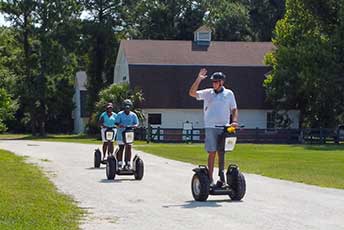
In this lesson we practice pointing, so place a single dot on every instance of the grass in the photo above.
(8, 136)
(28, 200)
(83, 139)
(74, 138)
(321, 165)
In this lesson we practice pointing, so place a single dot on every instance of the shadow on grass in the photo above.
(198, 204)
(53, 136)
(60, 137)
(325, 147)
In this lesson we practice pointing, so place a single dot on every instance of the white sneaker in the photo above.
(120, 164)
(212, 184)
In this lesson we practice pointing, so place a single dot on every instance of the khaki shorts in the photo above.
(211, 138)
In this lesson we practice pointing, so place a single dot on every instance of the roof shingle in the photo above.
(171, 52)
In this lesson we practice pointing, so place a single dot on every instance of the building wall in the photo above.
(167, 86)
(121, 73)
(79, 98)
(77, 111)
(79, 120)
(174, 118)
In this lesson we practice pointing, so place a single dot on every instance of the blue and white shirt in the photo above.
(109, 121)
(124, 119)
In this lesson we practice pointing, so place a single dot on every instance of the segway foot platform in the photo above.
(224, 190)
(124, 172)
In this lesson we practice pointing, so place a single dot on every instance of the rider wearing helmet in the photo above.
(106, 121)
(219, 105)
(124, 119)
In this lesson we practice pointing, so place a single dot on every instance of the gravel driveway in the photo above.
(163, 200)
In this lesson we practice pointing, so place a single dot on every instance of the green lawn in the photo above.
(8, 136)
(321, 165)
(55, 138)
(318, 165)
(28, 200)
(74, 138)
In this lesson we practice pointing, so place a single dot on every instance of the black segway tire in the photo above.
(111, 168)
(97, 158)
(238, 187)
(200, 186)
(139, 169)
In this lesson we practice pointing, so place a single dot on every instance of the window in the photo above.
(154, 118)
(270, 120)
(203, 36)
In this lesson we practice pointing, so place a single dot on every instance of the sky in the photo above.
(84, 15)
(2, 21)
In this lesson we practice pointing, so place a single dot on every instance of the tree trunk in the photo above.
(33, 124)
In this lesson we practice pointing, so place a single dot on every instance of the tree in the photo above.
(264, 15)
(164, 20)
(306, 66)
(20, 14)
(99, 30)
(230, 20)
(6, 108)
(116, 93)
(9, 52)
(45, 59)
(57, 65)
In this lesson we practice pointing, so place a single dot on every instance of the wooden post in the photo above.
(149, 133)
(158, 133)
(256, 136)
(321, 134)
(191, 132)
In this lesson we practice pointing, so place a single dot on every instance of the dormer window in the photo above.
(202, 36)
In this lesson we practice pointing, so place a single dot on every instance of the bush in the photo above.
(115, 93)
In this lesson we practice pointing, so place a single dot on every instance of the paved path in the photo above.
(163, 200)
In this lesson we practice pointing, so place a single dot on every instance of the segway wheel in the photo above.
(97, 158)
(111, 168)
(238, 186)
(139, 169)
(200, 187)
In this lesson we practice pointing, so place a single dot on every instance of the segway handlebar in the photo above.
(227, 126)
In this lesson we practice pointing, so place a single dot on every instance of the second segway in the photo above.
(112, 167)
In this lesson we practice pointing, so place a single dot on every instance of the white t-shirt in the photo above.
(217, 107)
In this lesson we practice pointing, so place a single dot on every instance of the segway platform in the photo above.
(112, 168)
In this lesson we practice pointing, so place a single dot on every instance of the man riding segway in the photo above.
(219, 105)
(125, 120)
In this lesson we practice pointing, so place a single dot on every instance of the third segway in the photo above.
(110, 133)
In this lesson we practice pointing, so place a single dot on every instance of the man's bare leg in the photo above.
(105, 145)
(110, 147)
(211, 159)
(221, 159)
